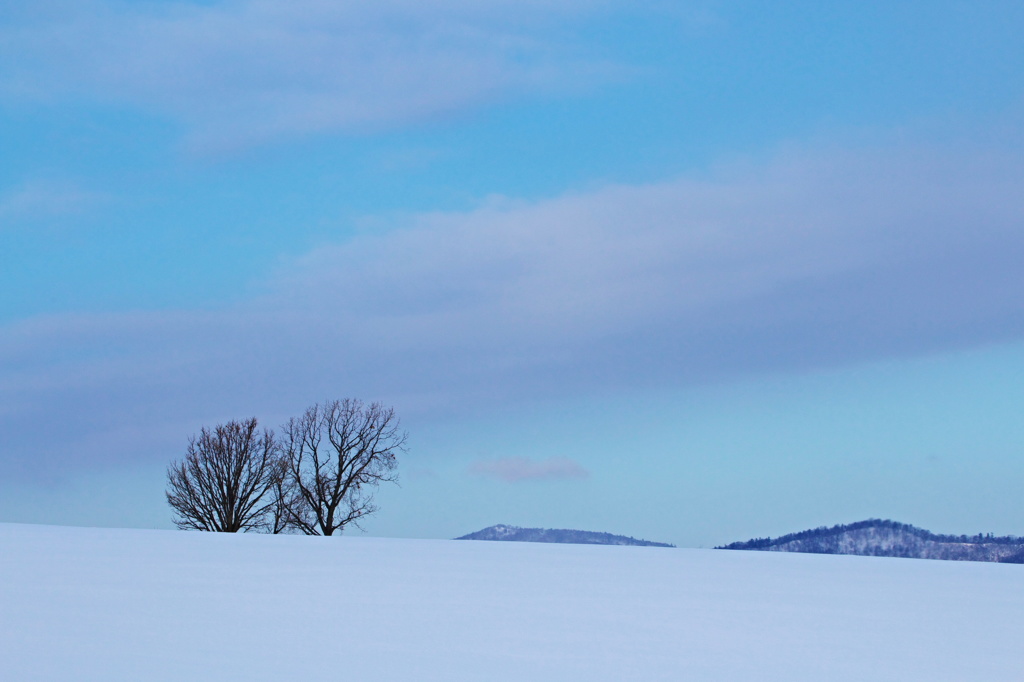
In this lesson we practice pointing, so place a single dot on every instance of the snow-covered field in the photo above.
(101, 604)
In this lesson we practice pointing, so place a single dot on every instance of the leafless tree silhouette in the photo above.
(337, 454)
(228, 480)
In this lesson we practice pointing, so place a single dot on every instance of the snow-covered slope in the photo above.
(99, 604)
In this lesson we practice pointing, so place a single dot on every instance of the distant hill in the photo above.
(876, 537)
(577, 537)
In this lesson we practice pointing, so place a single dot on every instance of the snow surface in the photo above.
(105, 604)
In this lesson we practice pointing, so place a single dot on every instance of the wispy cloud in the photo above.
(817, 259)
(46, 199)
(244, 71)
(517, 469)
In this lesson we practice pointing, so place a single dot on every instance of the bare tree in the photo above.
(337, 454)
(226, 483)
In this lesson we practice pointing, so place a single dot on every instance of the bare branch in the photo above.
(337, 453)
(228, 479)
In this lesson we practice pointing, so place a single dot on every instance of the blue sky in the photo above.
(697, 271)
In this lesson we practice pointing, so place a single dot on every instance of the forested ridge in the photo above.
(578, 537)
(879, 537)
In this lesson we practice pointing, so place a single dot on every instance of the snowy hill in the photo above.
(876, 537)
(130, 605)
(577, 537)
